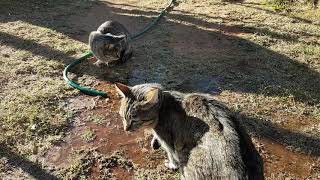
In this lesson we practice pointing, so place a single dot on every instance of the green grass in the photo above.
(88, 136)
(97, 119)
(279, 5)
(80, 165)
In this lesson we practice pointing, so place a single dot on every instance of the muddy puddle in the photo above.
(100, 116)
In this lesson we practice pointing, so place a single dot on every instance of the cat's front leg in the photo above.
(125, 56)
(171, 163)
(100, 63)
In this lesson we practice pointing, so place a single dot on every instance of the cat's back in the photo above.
(205, 107)
(219, 153)
(113, 27)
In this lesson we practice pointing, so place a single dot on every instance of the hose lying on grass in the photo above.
(94, 92)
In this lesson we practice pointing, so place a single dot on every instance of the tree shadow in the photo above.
(207, 57)
(47, 13)
(34, 47)
(254, 6)
(306, 144)
(188, 54)
(27, 166)
(232, 63)
(315, 4)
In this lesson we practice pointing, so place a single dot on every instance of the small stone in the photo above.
(33, 127)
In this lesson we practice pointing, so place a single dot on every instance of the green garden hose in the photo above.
(94, 92)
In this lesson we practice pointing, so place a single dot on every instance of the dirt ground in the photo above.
(262, 63)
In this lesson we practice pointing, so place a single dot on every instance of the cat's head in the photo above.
(107, 45)
(140, 105)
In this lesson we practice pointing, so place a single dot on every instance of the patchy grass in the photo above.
(293, 7)
(279, 5)
(97, 119)
(309, 14)
(88, 136)
(84, 160)
(33, 57)
(80, 166)
(32, 61)
(264, 59)
(158, 174)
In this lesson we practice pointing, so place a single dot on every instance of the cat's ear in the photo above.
(123, 90)
(151, 98)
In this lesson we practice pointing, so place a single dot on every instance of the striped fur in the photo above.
(200, 135)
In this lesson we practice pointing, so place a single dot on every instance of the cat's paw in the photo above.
(170, 165)
(155, 144)
(100, 63)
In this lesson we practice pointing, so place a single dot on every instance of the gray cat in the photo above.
(110, 43)
(198, 133)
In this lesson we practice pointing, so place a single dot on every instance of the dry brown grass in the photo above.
(265, 64)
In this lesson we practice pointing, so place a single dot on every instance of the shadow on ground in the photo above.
(188, 54)
(295, 140)
(210, 53)
(255, 6)
(31, 168)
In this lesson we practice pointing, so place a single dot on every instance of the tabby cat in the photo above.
(110, 43)
(199, 134)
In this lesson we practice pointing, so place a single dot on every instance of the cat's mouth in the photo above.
(132, 127)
